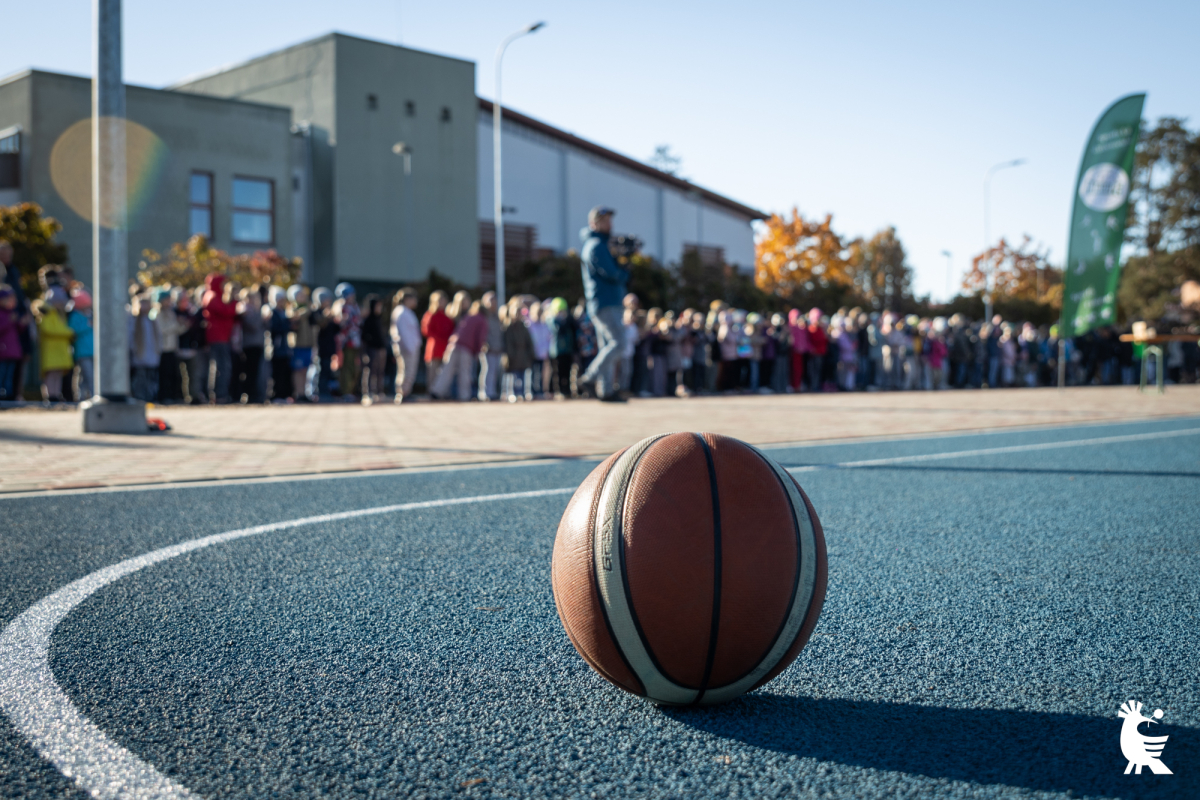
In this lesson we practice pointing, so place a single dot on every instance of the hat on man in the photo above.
(598, 212)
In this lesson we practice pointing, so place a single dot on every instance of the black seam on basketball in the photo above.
(787, 612)
(596, 581)
(637, 626)
(716, 613)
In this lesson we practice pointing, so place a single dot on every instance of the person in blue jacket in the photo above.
(604, 285)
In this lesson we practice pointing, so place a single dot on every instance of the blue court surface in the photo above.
(993, 601)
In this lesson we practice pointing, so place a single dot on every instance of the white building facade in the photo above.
(552, 178)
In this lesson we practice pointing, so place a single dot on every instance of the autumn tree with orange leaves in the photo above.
(187, 264)
(805, 259)
(1018, 273)
(797, 255)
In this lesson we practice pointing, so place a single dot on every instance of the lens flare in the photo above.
(71, 169)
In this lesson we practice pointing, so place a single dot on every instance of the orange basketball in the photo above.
(689, 569)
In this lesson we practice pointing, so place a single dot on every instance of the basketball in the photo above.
(689, 569)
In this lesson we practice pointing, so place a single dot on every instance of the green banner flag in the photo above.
(1098, 221)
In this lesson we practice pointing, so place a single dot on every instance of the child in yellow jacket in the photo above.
(54, 336)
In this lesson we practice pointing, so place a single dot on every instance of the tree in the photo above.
(1165, 212)
(1018, 273)
(187, 264)
(1151, 284)
(1164, 221)
(794, 256)
(32, 238)
(555, 276)
(880, 271)
(699, 282)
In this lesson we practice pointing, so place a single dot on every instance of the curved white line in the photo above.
(42, 712)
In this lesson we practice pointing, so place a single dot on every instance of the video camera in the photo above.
(624, 248)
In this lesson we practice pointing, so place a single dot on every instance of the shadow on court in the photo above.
(1046, 752)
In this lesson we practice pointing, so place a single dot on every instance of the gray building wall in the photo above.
(188, 133)
(371, 222)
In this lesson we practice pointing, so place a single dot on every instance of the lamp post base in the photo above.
(101, 415)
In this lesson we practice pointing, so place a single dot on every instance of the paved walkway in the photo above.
(46, 450)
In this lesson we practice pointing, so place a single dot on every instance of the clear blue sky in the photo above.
(880, 113)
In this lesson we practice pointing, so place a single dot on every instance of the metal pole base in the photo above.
(114, 416)
(1157, 353)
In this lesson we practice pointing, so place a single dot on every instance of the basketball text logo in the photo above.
(1142, 751)
(606, 546)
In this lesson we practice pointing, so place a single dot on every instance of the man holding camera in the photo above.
(604, 282)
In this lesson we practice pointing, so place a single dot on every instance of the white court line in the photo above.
(1016, 448)
(42, 712)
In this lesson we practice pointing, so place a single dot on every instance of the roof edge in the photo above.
(18, 75)
(334, 35)
(137, 87)
(211, 73)
(625, 161)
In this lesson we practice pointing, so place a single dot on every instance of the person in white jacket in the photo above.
(405, 333)
(170, 379)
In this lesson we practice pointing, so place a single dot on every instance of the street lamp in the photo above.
(496, 172)
(949, 270)
(987, 233)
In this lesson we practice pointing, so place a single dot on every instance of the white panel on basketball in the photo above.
(610, 572)
(800, 603)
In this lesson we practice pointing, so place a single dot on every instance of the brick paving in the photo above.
(45, 449)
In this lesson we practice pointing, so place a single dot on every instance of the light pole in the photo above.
(404, 150)
(949, 270)
(496, 172)
(111, 410)
(987, 233)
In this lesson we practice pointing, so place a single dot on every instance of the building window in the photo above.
(200, 206)
(253, 211)
(10, 160)
(707, 255)
(372, 102)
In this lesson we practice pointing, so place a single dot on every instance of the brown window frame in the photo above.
(192, 205)
(234, 210)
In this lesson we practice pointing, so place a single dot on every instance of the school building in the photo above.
(302, 150)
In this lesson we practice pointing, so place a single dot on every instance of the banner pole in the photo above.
(1062, 363)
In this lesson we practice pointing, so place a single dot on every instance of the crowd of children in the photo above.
(58, 325)
(222, 343)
